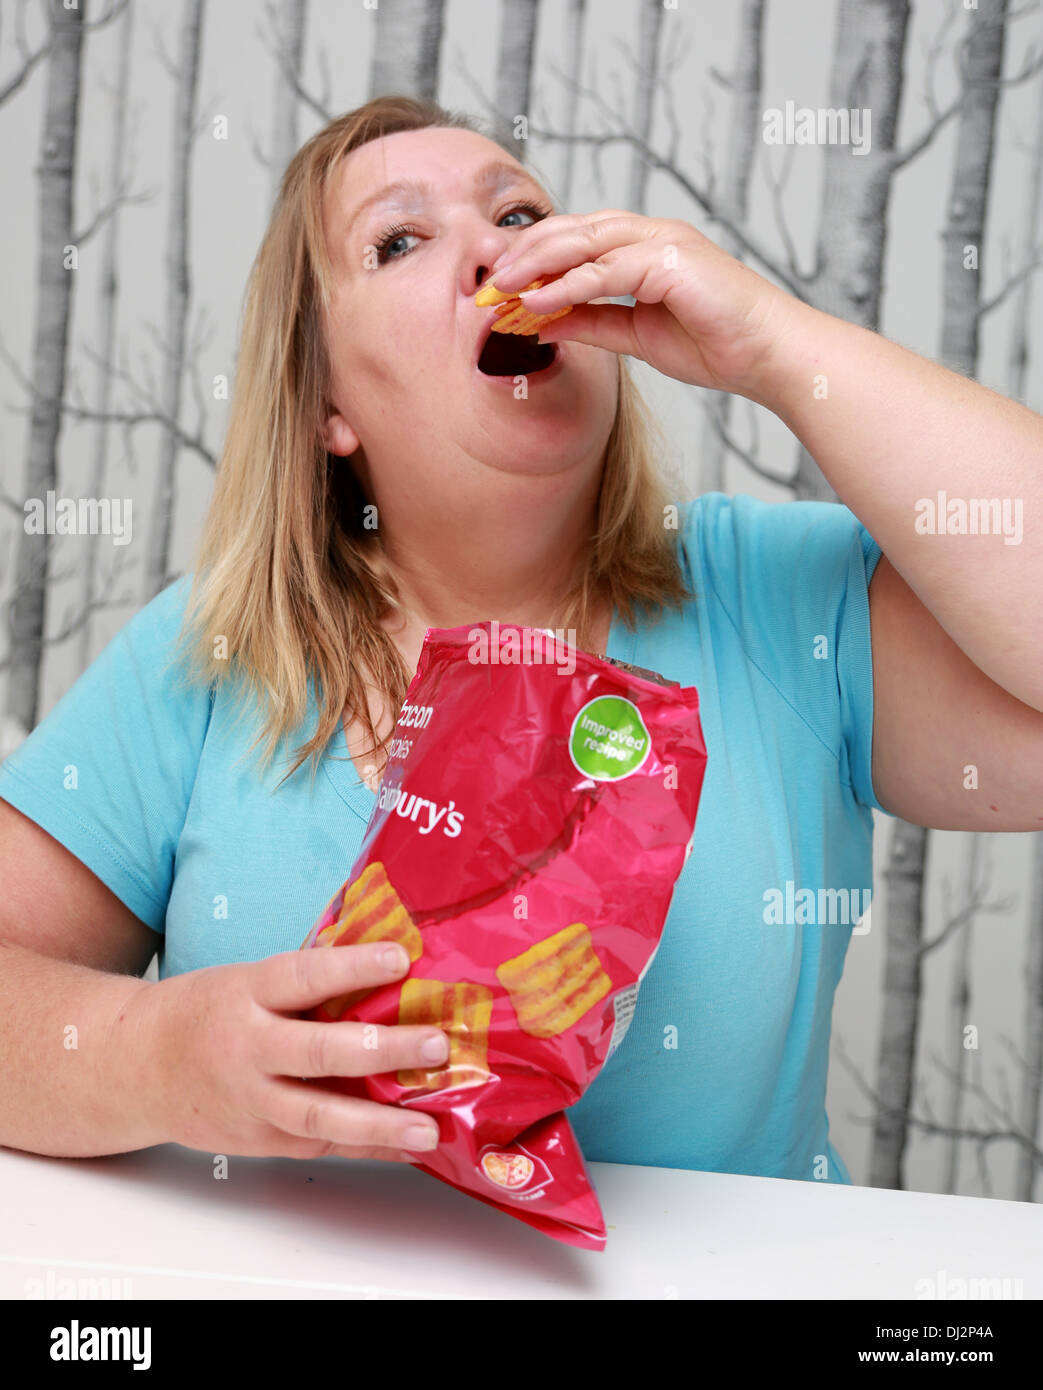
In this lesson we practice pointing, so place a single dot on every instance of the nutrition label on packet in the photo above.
(624, 1003)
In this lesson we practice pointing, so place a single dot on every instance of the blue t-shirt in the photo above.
(146, 780)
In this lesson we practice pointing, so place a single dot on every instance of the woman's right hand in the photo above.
(227, 1049)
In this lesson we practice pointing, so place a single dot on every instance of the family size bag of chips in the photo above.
(536, 809)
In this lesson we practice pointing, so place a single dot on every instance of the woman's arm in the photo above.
(957, 620)
(217, 1059)
(891, 431)
(73, 1079)
(951, 748)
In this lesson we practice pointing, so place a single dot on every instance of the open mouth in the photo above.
(514, 354)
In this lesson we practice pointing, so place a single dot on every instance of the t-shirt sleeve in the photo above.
(795, 578)
(110, 770)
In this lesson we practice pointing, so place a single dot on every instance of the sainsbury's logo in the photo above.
(418, 809)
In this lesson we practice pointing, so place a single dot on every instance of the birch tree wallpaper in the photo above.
(881, 160)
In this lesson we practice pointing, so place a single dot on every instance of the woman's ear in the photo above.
(338, 437)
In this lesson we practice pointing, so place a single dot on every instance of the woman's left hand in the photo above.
(701, 315)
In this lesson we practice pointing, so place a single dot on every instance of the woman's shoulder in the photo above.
(127, 736)
(710, 512)
(158, 622)
(743, 540)
(157, 642)
(137, 691)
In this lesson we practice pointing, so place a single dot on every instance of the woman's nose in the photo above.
(492, 243)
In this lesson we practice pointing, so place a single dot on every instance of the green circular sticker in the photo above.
(609, 740)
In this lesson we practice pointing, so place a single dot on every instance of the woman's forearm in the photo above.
(73, 1069)
(945, 474)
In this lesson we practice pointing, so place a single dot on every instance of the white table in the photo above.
(286, 1228)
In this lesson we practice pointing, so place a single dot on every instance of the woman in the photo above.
(391, 467)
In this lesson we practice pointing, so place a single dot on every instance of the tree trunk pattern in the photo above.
(407, 49)
(867, 74)
(900, 1021)
(1030, 1109)
(733, 190)
(514, 71)
(1030, 1085)
(959, 1006)
(1018, 351)
(969, 189)
(650, 23)
(291, 18)
(575, 22)
(959, 338)
(108, 298)
(56, 171)
(157, 558)
(965, 227)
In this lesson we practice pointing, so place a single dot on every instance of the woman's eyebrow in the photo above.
(495, 175)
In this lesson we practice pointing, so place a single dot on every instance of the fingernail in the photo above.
(420, 1137)
(393, 958)
(435, 1049)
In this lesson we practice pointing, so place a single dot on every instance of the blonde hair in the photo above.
(286, 578)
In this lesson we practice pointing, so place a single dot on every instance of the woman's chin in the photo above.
(538, 452)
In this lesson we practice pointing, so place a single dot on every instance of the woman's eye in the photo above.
(392, 239)
(394, 244)
(518, 212)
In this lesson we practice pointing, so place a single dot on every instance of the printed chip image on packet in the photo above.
(527, 835)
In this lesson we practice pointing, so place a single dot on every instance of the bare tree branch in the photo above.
(777, 186)
(1011, 284)
(154, 417)
(750, 460)
(103, 214)
(976, 905)
(318, 105)
(982, 1138)
(1000, 1113)
(670, 109)
(916, 147)
(255, 147)
(750, 244)
(619, 132)
(113, 12)
(149, 416)
(935, 49)
(939, 119)
(200, 337)
(29, 56)
(75, 620)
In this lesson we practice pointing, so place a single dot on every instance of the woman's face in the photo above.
(419, 389)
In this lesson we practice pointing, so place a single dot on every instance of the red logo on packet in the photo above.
(513, 1170)
(529, 829)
